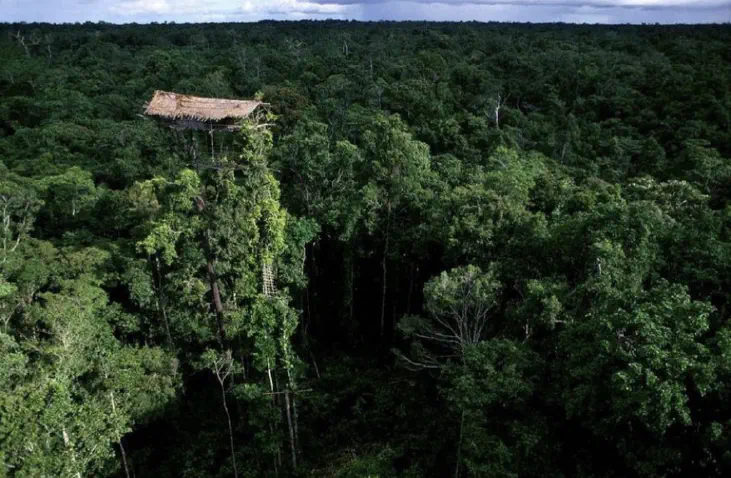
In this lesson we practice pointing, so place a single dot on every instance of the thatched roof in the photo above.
(174, 106)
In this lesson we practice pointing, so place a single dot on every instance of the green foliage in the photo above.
(64, 367)
(638, 365)
(534, 218)
(491, 395)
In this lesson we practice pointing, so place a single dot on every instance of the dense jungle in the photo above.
(441, 250)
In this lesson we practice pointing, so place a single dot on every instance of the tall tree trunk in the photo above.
(119, 438)
(385, 271)
(164, 315)
(271, 382)
(230, 429)
(273, 389)
(216, 299)
(348, 276)
(459, 447)
(161, 305)
(278, 461)
(411, 289)
(293, 385)
(276, 389)
(315, 281)
(308, 314)
(351, 286)
(293, 447)
(296, 423)
(213, 280)
(124, 457)
(278, 455)
(314, 364)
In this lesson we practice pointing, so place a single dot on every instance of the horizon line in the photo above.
(346, 20)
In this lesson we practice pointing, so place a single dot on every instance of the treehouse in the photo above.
(193, 114)
(186, 113)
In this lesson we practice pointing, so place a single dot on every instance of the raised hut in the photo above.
(194, 113)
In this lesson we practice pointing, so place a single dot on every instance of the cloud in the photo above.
(167, 7)
(645, 4)
(239, 8)
(285, 7)
(135, 7)
(591, 11)
(568, 11)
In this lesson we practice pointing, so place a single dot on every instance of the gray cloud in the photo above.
(631, 4)
(576, 11)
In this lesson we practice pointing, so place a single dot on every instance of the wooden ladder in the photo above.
(267, 274)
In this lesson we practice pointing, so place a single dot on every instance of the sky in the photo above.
(570, 11)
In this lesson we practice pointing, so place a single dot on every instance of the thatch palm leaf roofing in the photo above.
(174, 106)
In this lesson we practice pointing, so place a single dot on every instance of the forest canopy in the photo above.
(442, 249)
